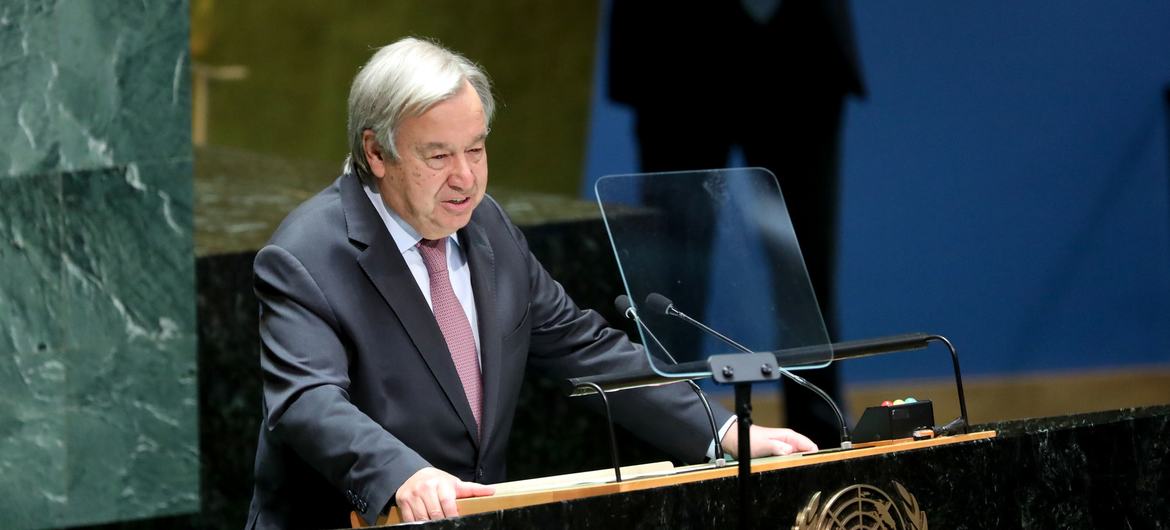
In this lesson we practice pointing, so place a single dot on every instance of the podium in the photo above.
(1097, 470)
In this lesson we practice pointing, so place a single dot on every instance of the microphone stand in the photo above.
(613, 451)
(627, 310)
(586, 386)
(741, 371)
(846, 442)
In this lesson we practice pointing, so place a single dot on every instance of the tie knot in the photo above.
(434, 254)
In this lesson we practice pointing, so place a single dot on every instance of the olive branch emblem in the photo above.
(862, 506)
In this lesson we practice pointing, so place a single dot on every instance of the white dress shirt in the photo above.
(407, 238)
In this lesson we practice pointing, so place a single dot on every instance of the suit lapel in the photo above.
(481, 260)
(383, 264)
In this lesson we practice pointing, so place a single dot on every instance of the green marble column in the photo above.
(98, 418)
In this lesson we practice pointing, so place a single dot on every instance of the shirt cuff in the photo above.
(722, 432)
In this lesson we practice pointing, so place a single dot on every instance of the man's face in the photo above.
(442, 171)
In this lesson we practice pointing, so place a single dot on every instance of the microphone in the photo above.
(657, 303)
(623, 305)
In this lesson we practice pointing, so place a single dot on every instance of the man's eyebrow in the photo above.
(433, 145)
(444, 146)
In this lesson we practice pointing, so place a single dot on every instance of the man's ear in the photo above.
(375, 158)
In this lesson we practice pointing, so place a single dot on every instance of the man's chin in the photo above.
(447, 226)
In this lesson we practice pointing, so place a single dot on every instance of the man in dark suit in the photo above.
(400, 308)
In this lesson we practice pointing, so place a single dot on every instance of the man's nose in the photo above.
(462, 175)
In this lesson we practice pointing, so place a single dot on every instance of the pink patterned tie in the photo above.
(453, 322)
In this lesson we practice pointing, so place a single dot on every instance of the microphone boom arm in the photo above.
(661, 304)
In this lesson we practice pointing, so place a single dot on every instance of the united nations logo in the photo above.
(862, 507)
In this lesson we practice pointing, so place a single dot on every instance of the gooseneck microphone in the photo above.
(627, 310)
(657, 303)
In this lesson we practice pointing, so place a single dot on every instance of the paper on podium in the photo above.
(584, 478)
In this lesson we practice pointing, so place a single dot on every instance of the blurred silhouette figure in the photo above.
(769, 77)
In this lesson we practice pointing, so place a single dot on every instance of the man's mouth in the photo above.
(458, 201)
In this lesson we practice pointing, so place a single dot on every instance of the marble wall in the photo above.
(98, 400)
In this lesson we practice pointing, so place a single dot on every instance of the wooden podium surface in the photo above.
(655, 475)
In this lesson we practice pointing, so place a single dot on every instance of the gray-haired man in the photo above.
(400, 309)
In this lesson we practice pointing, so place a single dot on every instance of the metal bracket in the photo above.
(735, 368)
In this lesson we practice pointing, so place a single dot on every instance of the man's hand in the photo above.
(768, 441)
(430, 494)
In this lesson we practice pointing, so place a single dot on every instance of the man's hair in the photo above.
(406, 79)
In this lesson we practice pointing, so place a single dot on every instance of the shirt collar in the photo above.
(404, 235)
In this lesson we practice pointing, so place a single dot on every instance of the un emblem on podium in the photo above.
(862, 507)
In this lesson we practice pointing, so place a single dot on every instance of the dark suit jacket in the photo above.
(359, 389)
